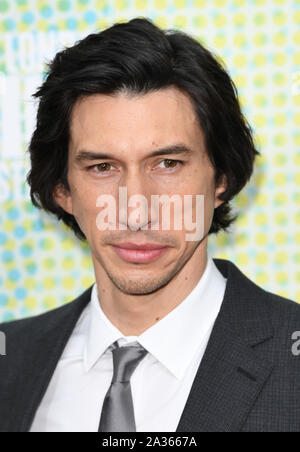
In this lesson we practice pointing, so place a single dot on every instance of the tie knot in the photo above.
(125, 360)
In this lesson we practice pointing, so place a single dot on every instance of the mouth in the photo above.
(130, 252)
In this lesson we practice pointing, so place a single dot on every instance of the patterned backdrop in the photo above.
(42, 265)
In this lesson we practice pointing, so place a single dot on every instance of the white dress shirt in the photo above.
(161, 382)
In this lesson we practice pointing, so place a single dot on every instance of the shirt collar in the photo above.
(174, 339)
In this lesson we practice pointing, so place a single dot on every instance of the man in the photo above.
(167, 339)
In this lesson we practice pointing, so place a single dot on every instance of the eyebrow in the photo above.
(176, 149)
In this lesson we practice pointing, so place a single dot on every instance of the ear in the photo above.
(63, 198)
(221, 187)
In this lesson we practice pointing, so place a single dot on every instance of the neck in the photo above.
(133, 314)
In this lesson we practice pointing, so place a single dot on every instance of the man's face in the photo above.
(129, 129)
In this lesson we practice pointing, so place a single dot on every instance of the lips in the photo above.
(132, 252)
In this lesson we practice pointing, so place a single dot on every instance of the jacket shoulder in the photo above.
(42, 322)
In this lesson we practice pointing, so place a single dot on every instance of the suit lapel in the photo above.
(232, 372)
(226, 386)
(40, 361)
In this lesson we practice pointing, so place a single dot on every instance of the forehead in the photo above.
(135, 122)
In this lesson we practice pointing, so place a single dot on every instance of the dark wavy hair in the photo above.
(138, 57)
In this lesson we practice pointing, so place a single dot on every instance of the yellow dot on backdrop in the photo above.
(121, 4)
(42, 25)
(262, 278)
(9, 284)
(8, 225)
(260, 100)
(297, 119)
(68, 282)
(101, 23)
(67, 244)
(281, 277)
(241, 239)
(260, 19)
(200, 3)
(279, 18)
(140, 4)
(200, 21)
(296, 139)
(297, 178)
(280, 179)
(297, 218)
(280, 99)
(280, 79)
(261, 199)
(279, 39)
(281, 218)
(260, 140)
(259, 2)
(260, 80)
(12, 303)
(281, 238)
(296, 59)
(279, 59)
(242, 259)
(239, 2)
(180, 21)
(30, 302)
(220, 3)
(10, 245)
(160, 4)
(261, 219)
(260, 39)
(297, 159)
(86, 262)
(240, 60)
(82, 25)
(180, 3)
(242, 220)
(161, 21)
(22, 6)
(48, 282)
(220, 20)
(296, 38)
(261, 239)
(30, 283)
(279, 139)
(260, 59)
(297, 237)
(240, 40)
(240, 80)
(280, 159)
(239, 19)
(68, 263)
(241, 200)
(280, 119)
(87, 281)
(49, 302)
(243, 101)
(221, 240)
(220, 41)
(100, 4)
(262, 258)
(260, 120)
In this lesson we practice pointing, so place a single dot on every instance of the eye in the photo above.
(101, 167)
(170, 163)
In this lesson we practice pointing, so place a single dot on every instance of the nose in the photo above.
(135, 201)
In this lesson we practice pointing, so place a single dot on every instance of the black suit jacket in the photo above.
(248, 380)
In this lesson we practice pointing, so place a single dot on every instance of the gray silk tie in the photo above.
(117, 412)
